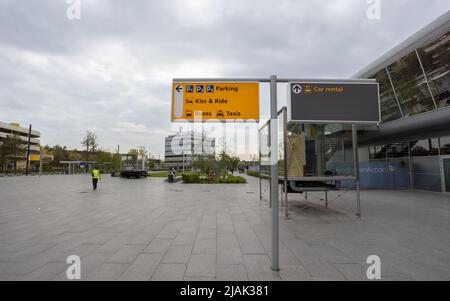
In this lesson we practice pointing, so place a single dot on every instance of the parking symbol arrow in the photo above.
(179, 88)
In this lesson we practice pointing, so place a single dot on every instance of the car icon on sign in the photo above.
(220, 114)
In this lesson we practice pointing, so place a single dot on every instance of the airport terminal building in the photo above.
(414, 135)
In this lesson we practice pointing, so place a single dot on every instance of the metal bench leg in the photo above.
(326, 198)
(281, 195)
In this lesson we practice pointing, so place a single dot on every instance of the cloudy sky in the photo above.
(110, 72)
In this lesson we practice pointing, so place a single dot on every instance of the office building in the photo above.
(182, 148)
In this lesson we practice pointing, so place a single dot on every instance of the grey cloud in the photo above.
(111, 70)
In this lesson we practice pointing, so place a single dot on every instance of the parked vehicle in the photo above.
(133, 166)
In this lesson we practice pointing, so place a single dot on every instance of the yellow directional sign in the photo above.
(34, 157)
(220, 101)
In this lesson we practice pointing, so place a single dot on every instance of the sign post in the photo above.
(274, 171)
(309, 101)
(346, 101)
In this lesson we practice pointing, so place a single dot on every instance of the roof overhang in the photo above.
(422, 126)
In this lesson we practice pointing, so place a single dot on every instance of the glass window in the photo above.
(435, 58)
(445, 145)
(427, 147)
(378, 152)
(388, 103)
(397, 150)
(410, 85)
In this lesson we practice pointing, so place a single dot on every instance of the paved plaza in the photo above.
(149, 230)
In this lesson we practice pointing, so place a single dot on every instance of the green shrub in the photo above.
(253, 173)
(232, 180)
(196, 178)
(191, 178)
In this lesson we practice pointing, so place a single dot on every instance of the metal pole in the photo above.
(259, 159)
(274, 171)
(28, 151)
(269, 179)
(40, 160)
(410, 167)
(356, 166)
(183, 160)
(286, 212)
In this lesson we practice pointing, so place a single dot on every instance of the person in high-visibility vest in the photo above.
(95, 177)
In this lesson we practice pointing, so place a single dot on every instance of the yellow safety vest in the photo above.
(96, 174)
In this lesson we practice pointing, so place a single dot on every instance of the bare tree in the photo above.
(90, 142)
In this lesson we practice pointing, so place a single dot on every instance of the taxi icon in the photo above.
(220, 114)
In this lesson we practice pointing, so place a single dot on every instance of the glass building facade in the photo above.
(416, 83)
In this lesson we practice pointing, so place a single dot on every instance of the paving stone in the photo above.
(177, 254)
(47, 272)
(259, 268)
(184, 239)
(142, 267)
(228, 249)
(207, 233)
(231, 272)
(108, 271)
(158, 245)
(169, 272)
(201, 265)
(294, 273)
(126, 254)
(205, 246)
(113, 245)
(195, 278)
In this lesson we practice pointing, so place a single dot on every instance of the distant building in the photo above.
(11, 129)
(181, 148)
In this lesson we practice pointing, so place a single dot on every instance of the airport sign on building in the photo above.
(215, 101)
(352, 101)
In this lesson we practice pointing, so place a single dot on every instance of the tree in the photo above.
(203, 163)
(90, 143)
(233, 162)
(133, 151)
(60, 153)
(12, 150)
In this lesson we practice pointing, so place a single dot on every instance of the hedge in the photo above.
(195, 178)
